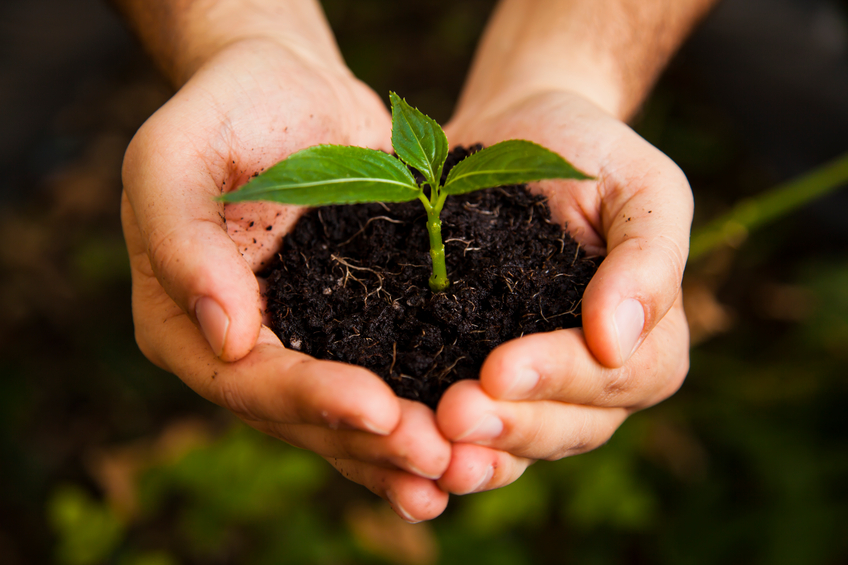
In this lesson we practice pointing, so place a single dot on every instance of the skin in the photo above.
(196, 300)
(549, 396)
(260, 79)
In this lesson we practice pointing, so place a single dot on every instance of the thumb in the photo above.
(647, 213)
(171, 188)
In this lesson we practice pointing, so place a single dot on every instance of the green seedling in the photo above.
(335, 174)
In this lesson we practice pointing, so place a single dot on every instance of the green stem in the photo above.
(439, 278)
(733, 227)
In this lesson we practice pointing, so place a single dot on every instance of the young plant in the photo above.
(335, 174)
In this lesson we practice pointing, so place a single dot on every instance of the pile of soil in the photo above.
(351, 285)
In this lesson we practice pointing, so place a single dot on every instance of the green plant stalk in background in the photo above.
(733, 227)
(333, 174)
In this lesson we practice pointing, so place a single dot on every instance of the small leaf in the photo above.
(508, 162)
(331, 174)
(418, 140)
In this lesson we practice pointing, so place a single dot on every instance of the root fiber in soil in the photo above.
(351, 285)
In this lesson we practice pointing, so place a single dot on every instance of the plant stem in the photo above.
(733, 227)
(439, 278)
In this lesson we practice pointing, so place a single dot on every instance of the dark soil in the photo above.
(351, 285)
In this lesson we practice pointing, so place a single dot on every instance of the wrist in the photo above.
(535, 47)
(298, 26)
(182, 35)
(609, 52)
(488, 96)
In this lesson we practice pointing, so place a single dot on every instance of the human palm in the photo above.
(547, 396)
(196, 300)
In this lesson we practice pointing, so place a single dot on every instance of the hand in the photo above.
(196, 300)
(548, 396)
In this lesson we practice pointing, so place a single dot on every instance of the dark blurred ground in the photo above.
(105, 459)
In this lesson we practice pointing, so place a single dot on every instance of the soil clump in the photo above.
(351, 285)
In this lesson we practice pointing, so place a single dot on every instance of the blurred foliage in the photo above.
(88, 530)
(752, 213)
(107, 460)
(422, 50)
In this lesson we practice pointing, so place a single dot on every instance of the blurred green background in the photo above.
(105, 459)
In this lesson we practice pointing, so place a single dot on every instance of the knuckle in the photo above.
(233, 397)
(400, 445)
(580, 441)
(530, 435)
(574, 440)
(591, 434)
(621, 384)
(572, 446)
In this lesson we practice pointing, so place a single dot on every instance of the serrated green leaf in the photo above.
(418, 140)
(331, 174)
(509, 162)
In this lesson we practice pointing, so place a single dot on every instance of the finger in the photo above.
(646, 217)
(413, 498)
(278, 385)
(559, 366)
(640, 204)
(537, 429)
(415, 445)
(271, 383)
(173, 170)
(474, 468)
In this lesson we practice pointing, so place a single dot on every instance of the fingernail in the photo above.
(629, 322)
(489, 427)
(416, 471)
(213, 323)
(524, 381)
(364, 425)
(400, 510)
(490, 472)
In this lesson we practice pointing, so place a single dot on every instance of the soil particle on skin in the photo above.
(351, 285)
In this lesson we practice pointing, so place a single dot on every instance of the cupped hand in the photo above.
(196, 300)
(548, 396)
